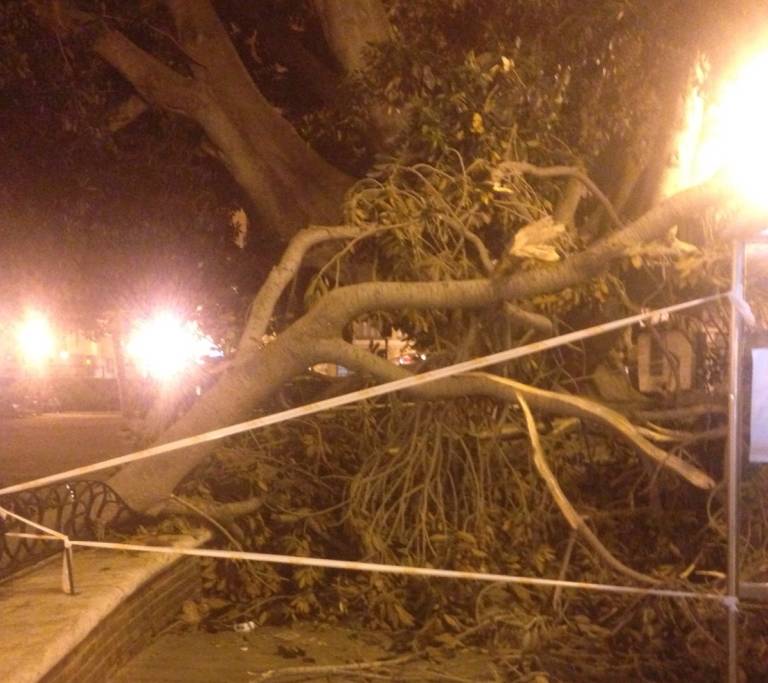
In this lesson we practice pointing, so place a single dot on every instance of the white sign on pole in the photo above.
(758, 448)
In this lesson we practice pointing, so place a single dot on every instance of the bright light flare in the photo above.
(738, 142)
(164, 346)
(35, 339)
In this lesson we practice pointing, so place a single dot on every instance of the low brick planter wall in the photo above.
(124, 599)
(131, 626)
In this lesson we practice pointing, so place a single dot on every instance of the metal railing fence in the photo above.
(75, 508)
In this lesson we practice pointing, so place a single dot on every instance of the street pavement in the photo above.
(40, 445)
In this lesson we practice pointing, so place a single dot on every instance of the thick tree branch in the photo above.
(595, 259)
(660, 435)
(126, 113)
(482, 251)
(218, 65)
(565, 211)
(346, 303)
(155, 81)
(145, 485)
(529, 320)
(682, 414)
(289, 183)
(350, 26)
(281, 276)
(316, 337)
(221, 513)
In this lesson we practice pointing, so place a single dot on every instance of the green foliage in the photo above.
(561, 74)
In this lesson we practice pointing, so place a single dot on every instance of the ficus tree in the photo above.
(475, 174)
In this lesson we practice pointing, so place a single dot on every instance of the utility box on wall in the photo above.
(665, 361)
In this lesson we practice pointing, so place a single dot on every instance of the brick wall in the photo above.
(130, 627)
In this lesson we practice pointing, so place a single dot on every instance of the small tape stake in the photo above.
(67, 569)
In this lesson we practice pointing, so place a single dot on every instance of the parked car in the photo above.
(17, 402)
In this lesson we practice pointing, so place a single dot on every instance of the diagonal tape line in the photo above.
(363, 394)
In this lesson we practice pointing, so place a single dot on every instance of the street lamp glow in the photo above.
(35, 340)
(739, 142)
(164, 346)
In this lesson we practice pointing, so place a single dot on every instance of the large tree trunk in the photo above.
(147, 484)
(261, 149)
(289, 185)
(351, 27)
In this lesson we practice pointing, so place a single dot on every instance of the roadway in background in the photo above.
(40, 445)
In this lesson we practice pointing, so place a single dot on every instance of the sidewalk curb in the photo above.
(123, 599)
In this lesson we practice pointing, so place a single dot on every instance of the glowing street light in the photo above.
(164, 346)
(35, 339)
(738, 143)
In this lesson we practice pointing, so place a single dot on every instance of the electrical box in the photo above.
(665, 361)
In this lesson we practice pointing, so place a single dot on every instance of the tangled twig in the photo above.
(574, 519)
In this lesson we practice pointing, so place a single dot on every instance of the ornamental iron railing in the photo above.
(78, 509)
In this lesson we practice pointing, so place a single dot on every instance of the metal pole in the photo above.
(68, 570)
(733, 462)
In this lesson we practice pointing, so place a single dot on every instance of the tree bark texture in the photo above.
(289, 185)
(350, 26)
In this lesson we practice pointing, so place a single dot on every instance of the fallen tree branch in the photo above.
(574, 519)
(479, 245)
(256, 374)
(529, 320)
(576, 406)
(661, 435)
(557, 596)
(681, 414)
(344, 304)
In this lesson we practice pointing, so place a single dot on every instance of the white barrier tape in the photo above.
(744, 309)
(54, 535)
(362, 394)
(401, 569)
